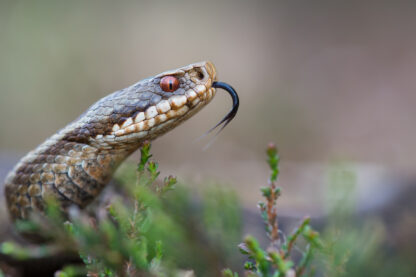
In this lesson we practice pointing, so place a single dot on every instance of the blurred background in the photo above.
(331, 82)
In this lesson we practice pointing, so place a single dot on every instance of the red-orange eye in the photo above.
(169, 83)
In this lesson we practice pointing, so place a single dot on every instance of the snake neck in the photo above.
(69, 170)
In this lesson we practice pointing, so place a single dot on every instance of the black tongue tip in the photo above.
(236, 102)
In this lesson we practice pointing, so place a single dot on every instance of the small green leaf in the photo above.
(249, 266)
(145, 156)
(266, 191)
(228, 273)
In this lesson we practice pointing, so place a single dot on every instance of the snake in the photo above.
(76, 163)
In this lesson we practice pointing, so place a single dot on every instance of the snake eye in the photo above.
(169, 83)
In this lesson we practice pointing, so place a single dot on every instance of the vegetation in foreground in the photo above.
(157, 228)
(277, 260)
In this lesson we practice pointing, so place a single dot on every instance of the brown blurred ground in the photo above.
(325, 80)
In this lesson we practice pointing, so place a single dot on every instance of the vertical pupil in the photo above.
(169, 83)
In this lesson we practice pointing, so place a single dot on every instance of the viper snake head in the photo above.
(156, 105)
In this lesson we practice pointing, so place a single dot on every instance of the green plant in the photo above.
(146, 231)
(143, 231)
(118, 240)
(276, 260)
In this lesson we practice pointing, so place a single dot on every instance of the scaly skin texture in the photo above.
(76, 163)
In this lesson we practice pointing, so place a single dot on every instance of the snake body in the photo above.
(77, 162)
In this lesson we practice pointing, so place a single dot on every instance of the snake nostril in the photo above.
(200, 74)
